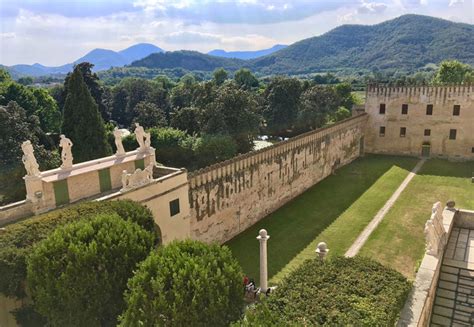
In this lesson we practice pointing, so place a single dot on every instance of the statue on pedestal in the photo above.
(118, 142)
(140, 136)
(66, 153)
(29, 160)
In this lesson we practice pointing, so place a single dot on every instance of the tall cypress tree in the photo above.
(82, 122)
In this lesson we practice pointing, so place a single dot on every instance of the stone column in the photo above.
(262, 238)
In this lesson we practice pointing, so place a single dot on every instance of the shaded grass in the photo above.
(398, 241)
(300, 221)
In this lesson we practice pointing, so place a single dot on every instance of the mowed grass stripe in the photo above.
(399, 241)
(297, 224)
(343, 232)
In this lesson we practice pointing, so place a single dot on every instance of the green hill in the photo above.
(189, 60)
(406, 43)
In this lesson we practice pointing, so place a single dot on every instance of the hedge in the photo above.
(78, 274)
(16, 242)
(185, 283)
(339, 292)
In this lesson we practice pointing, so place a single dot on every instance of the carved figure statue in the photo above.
(29, 160)
(434, 231)
(147, 141)
(66, 153)
(138, 178)
(140, 136)
(118, 142)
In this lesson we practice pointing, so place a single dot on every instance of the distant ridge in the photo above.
(101, 58)
(246, 54)
(405, 44)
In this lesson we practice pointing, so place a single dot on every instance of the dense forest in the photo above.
(192, 123)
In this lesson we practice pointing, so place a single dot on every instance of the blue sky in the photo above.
(54, 32)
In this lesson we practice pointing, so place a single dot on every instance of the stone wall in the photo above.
(227, 198)
(418, 122)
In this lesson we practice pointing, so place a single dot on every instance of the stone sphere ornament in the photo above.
(322, 250)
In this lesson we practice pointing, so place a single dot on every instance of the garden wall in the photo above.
(229, 197)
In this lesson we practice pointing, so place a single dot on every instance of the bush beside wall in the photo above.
(16, 242)
(339, 292)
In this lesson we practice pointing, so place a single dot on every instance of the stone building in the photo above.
(426, 121)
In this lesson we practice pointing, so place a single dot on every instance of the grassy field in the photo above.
(399, 241)
(339, 207)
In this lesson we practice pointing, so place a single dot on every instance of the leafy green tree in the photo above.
(164, 82)
(344, 92)
(21, 94)
(454, 72)
(120, 110)
(78, 274)
(25, 80)
(82, 122)
(244, 78)
(282, 101)
(95, 88)
(210, 149)
(185, 283)
(148, 115)
(317, 104)
(186, 119)
(233, 112)
(341, 114)
(183, 94)
(4, 76)
(220, 75)
(173, 147)
(47, 111)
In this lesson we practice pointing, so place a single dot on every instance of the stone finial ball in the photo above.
(322, 247)
(450, 204)
(263, 233)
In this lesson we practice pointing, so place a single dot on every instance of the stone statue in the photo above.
(435, 233)
(138, 178)
(66, 153)
(118, 142)
(147, 141)
(29, 160)
(140, 135)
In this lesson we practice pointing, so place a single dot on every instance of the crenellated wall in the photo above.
(228, 197)
(426, 134)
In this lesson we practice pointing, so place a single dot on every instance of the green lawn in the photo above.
(339, 206)
(399, 241)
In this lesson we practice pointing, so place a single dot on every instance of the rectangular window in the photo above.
(472, 149)
(427, 132)
(382, 109)
(429, 110)
(452, 134)
(456, 110)
(403, 131)
(382, 131)
(174, 207)
(404, 109)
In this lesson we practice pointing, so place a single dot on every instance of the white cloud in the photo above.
(191, 37)
(7, 35)
(455, 2)
(371, 7)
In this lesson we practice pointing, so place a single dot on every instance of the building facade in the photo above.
(425, 121)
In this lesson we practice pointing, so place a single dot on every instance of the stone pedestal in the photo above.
(34, 188)
(262, 238)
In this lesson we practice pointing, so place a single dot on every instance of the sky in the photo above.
(56, 32)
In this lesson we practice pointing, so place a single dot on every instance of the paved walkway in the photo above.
(454, 302)
(360, 241)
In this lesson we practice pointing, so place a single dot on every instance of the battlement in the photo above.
(243, 161)
(437, 92)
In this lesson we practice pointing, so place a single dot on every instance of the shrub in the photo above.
(340, 292)
(210, 149)
(173, 147)
(78, 274)
(186, 283)
(17, 241)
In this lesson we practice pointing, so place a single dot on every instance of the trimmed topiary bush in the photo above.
(17, 241)
(339, 292)
(78, 274)
(185, 283)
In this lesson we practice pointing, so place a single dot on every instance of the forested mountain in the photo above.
(246, 54)
(101, 58)
(189, 60)
(406, 43)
